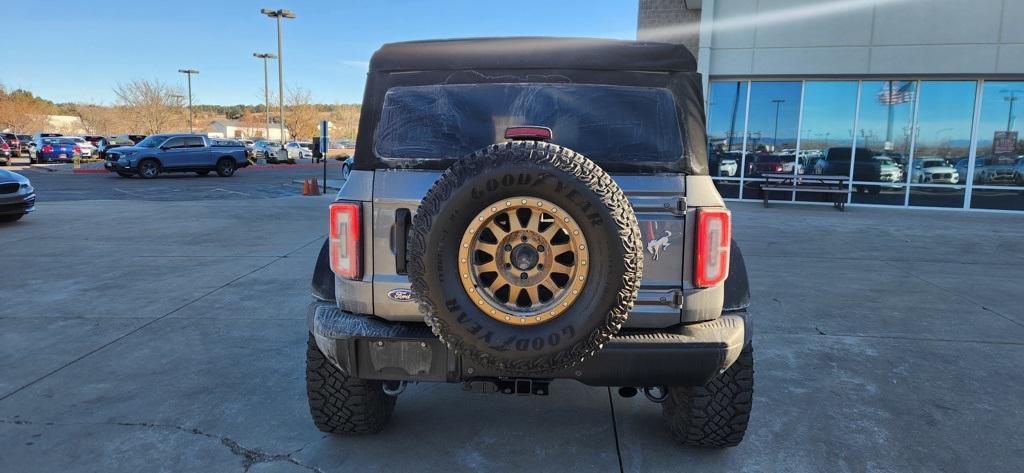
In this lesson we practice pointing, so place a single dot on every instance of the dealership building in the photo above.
(925, 96)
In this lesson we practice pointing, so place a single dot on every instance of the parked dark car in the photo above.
(836, 162)
(94, 139)
(17, 197)
(13, 143)
(106, 144)
(57, 148)
(177, 153)
(764, 163)
(26, 143)
(5, 152)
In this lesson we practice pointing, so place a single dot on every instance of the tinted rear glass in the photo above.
(605, 123)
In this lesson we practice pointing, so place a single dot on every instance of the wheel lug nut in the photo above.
(524, 276)
(540, 248)
(508, 265)
(524, 238)
(540, 266)
(508, 247)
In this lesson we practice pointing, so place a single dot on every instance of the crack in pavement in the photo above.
(965, 297)
(250, 456)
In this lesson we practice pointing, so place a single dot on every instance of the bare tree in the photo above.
(153, 106)
(98, 119)
(21, 112)
(253, 124)
(345, 118)
(301, 116)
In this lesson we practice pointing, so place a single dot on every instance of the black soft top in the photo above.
(533, 53)
(536, 60)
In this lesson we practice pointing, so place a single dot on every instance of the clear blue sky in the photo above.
(326, 48)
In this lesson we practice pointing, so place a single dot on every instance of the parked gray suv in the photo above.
(526, 210)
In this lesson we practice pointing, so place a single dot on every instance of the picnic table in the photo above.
(836, 186)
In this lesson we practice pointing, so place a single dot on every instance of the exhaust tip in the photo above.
(627, 392)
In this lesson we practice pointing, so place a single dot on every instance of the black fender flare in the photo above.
(737, 287)
(323, 277)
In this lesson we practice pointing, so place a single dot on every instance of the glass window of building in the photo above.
(830, 108)
(999, 164)
(883, 138)
(771, 133)
(727, 108)
(942, 142)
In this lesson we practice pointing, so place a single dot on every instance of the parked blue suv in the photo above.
(177, 153)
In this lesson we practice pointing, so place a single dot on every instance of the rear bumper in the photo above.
(371, 348)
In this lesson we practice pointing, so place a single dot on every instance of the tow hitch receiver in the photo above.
(517, 386)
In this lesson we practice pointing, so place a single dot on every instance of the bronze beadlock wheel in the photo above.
(523, 260)
(500, 302)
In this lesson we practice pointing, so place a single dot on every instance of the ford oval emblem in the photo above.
(400, 295)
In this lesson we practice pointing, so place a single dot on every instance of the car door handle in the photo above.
(403, 220)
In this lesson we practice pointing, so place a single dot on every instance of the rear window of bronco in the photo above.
(605, 123)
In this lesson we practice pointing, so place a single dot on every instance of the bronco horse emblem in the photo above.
(655, 246)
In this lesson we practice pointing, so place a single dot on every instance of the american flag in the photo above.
(895, 92)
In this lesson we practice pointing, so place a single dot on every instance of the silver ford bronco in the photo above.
(524, 210)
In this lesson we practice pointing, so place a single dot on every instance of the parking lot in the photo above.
(160, 326)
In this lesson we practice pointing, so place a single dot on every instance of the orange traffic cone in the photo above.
(314, 187)
(305, 187)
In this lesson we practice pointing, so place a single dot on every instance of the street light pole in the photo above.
(775, 135)
(189, 73)
(278, 14)
(1009, 116)
(266, 92)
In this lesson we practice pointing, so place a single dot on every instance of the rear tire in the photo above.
(341, 404)
(225, 167)
(714, 415)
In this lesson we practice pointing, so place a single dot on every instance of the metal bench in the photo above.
(815, 183)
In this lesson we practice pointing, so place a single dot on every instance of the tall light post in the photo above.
(775, 135)
(278, 14)
(266, 91)
(1011, 99)
(189, 73)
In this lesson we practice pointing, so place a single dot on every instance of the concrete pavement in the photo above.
(169, 336)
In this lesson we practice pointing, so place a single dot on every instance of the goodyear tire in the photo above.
(342, 404)
(531, 173)
(714, 415)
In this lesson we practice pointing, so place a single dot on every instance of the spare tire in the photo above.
(525, 257)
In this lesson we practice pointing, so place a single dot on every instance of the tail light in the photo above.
(47, 149)
(4, 146)
(345, 237)
(76, 149)
(15, 142)
(714, 233)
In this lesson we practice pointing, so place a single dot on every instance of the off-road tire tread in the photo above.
(581, 168)
(714, 415)
(342, 404)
